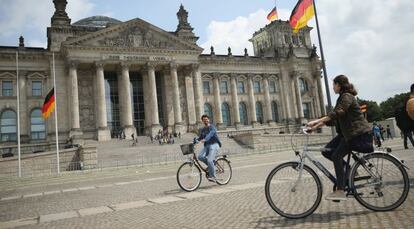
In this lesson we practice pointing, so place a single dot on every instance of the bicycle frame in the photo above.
(307, 155)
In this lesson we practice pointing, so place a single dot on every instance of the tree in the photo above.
(373, 110)
(388, 106)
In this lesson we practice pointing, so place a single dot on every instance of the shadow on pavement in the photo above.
(279, 221)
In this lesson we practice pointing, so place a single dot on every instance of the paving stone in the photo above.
(94, 211)
(192, 195)
(33, 195)
(18, 223)
(58, 216)
(163, 200)
(130, 205)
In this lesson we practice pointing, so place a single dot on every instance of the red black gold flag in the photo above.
(301, 14)
(272, 15)
(49, 104)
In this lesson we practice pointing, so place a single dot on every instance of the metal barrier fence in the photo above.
(264, 144)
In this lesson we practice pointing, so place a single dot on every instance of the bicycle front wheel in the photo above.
(189, 176)
(379, 182)
(223, 171)
(291, 192)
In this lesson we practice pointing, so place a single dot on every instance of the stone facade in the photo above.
(116, 77)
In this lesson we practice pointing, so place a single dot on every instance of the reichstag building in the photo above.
(135, 77)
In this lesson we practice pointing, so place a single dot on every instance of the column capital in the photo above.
(73, 63)
(265, 76)
(195, 67)
(124, 65)
(99, 64)
(173, 66)
(216, 75)
(151, 66)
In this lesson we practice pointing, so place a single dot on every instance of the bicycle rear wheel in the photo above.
(291, 196)
(223, 171)
(189, 176)
(381, 183)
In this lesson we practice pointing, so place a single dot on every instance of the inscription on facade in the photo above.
(136, 58)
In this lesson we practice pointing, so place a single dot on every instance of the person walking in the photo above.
(389, 135)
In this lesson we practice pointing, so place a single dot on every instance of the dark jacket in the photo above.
(209, 134)
(349, 117)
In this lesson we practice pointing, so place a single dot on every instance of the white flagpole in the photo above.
(56, 119)
(18, 114)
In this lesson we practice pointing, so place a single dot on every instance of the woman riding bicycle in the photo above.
(212, 144)
(354, 128)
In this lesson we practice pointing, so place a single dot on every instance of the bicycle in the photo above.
(189, 173)
(378, 181)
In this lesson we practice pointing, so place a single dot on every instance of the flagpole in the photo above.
(325, 74)
(328, 94)
(18, 114)
(56, 110)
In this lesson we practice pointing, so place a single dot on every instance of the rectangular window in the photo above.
(7, 88)
(272, 86)
(223, 87)
(206, 87)
(256, 86)
(240, 88)
(37, 88)
(306, 110)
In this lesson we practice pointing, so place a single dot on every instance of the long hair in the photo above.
(345, 85)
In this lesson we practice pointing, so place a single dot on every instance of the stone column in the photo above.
(24, 114)
(178, 120)
(125, 103)
(320, 95)
(169, 109)
(103, 133)
(298, 96)
(235, 100)
(198, 92)
(218, 116)
(75, 132)
(287, 97)
(152, 87)
(267, 106)
(252, 102)
(316, 101)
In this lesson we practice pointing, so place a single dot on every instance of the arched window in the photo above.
(208, 111)
(303, 85)
(8, 126)
(37, 125)
(225, 111)
(243, 113)
(259, 112)
(275, 112)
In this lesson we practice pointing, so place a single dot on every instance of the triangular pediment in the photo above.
(135, 33)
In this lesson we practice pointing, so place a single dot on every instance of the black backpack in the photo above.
(404, 122)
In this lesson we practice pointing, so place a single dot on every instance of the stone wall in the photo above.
(40, 164)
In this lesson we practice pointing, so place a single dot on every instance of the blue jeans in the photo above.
(207, 155)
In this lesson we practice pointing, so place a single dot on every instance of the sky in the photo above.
(370, 41)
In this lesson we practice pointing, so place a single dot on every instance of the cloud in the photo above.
(235, 33)
(370, 41)
(33, 17)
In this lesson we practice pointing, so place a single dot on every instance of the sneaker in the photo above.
(212, 179)
(337, 195)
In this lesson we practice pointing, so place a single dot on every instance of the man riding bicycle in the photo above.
(212, 144)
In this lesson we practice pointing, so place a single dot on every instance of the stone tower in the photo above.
(278, 40)
(184, 29)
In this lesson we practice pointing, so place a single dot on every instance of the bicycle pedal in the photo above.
(336, 201)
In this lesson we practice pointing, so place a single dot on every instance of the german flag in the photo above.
(49, 104)
(301, 14)
(272, 15)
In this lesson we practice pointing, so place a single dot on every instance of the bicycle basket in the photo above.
(187, 148)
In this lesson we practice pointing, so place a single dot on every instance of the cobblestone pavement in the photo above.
(149, 197)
